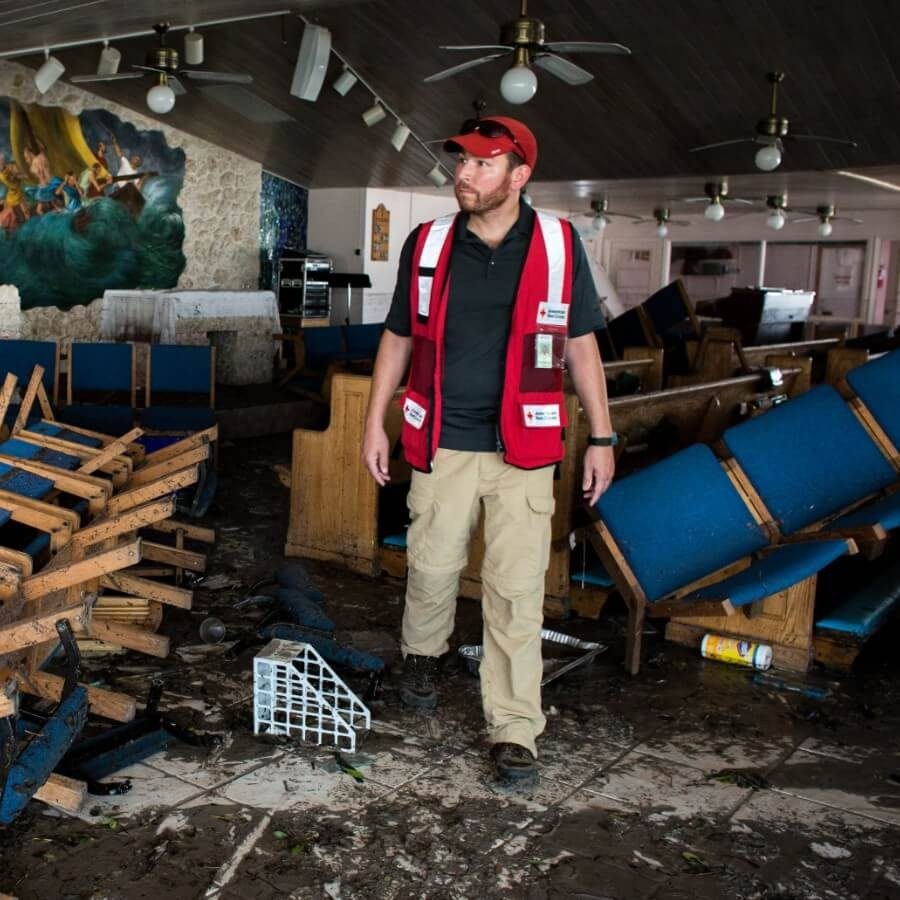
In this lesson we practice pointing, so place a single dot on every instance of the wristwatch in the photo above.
(609, 441)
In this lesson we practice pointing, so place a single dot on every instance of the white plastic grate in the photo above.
(295, 692)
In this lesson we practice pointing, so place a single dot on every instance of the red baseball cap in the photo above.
(492, 136)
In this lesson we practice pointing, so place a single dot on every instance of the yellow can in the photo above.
(736, 651)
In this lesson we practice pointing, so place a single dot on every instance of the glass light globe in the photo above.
(776, 220)
(768, 158)
(825, 228)
(715, 211)
(518, 85)
(662, 229)
(161, 98)
(599, 224)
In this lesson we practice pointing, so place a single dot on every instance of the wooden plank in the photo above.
(191, 442)
(691, 608)
(60, 792)
(123, 523)
(56, 527)
(875, 431)
(119, 469)
(109, 704)
(841, 360)
(185, 559)
(10, 579)
(109, 453)
(34, 630)
(6, 395)
(75, 573)
(135, 451)
(129, 636)
(28, 399)
(835, 653)
(194, 532)
(16, 559)
(9, 695)
(168, 485)
(150, 473)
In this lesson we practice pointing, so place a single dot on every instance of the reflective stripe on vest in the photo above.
(431, 252)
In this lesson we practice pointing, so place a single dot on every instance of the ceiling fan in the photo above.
(778, 204)
(715, 196)
(599, 216)
(772, 132)
(662, 217)
(163, 62)
(826, 214)
(524, 39)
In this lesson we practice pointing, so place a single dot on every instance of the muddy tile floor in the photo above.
(687, 781)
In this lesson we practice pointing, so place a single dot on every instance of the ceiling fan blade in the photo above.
(691, 200)
(177, 87)
(223, 77)
(468, 64)
(562, 68)
(819, 138)
(631, 216)
(806, 219)
(586, 47)
(679, 222)
(120, 76)
(747, 140)
(506, 47)
(851, 219)
(742, 200)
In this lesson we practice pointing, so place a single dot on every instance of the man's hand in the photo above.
(599, 468)
(375, 453)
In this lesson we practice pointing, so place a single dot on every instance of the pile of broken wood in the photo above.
(75, 566)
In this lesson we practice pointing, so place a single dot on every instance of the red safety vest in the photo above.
(532, 409)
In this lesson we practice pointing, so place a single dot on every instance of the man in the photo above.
(489, 306)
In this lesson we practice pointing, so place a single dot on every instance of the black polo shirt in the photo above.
(483, 284)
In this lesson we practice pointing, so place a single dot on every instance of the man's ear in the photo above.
(520, 176)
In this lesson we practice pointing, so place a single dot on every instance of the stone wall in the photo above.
(219, 201)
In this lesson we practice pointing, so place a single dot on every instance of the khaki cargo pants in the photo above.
(444, 507)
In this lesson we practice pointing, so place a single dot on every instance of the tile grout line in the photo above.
(780, 761)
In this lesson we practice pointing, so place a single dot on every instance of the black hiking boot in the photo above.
(417, 690)
(514, 764)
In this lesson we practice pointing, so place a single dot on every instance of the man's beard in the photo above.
(476, 202)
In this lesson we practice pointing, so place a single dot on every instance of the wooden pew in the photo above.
(336, 505)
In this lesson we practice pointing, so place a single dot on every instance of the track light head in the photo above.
(193, 47)
(344, 82)
(436, 176)
(400, 136)
(108, 63)
(374, 114)
(48, 74)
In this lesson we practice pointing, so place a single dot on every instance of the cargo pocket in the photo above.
(540, 512)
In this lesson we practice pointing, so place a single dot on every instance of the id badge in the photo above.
(543, 351)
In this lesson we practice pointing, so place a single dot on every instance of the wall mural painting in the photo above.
(87, 203)
(283, 212)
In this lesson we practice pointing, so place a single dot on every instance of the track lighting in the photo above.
(436, 176)
(161, 98)
(398, 138)
(193, 47)
(108, 64)
(374, 114)
(48, 74)
(344, 82)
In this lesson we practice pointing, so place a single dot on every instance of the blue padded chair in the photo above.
(58, 430)
(180, 370)
(19, 358)
(96, 370)
(877, 384)
(23, 450)
(322, 346)
(810, 459)
(362, 341)
(680, 520)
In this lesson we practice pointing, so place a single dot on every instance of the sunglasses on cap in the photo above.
(490, 129)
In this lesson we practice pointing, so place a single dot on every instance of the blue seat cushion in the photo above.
(24, 483)
(24, 450)
(395, 540)
(107, 418)
(877, 384)
(679, 520)
(775, 572)
(177, 418)
(54, 429)
(5, 516)
(864, 610)
(594, 574)
(885, 512)
(37, 545)
(809, 458)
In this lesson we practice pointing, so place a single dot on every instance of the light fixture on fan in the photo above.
(161, 98)
(825, 215)
(715, 196)
(662, 217)
(777, 204)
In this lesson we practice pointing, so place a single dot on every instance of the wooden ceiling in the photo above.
(697, 75)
